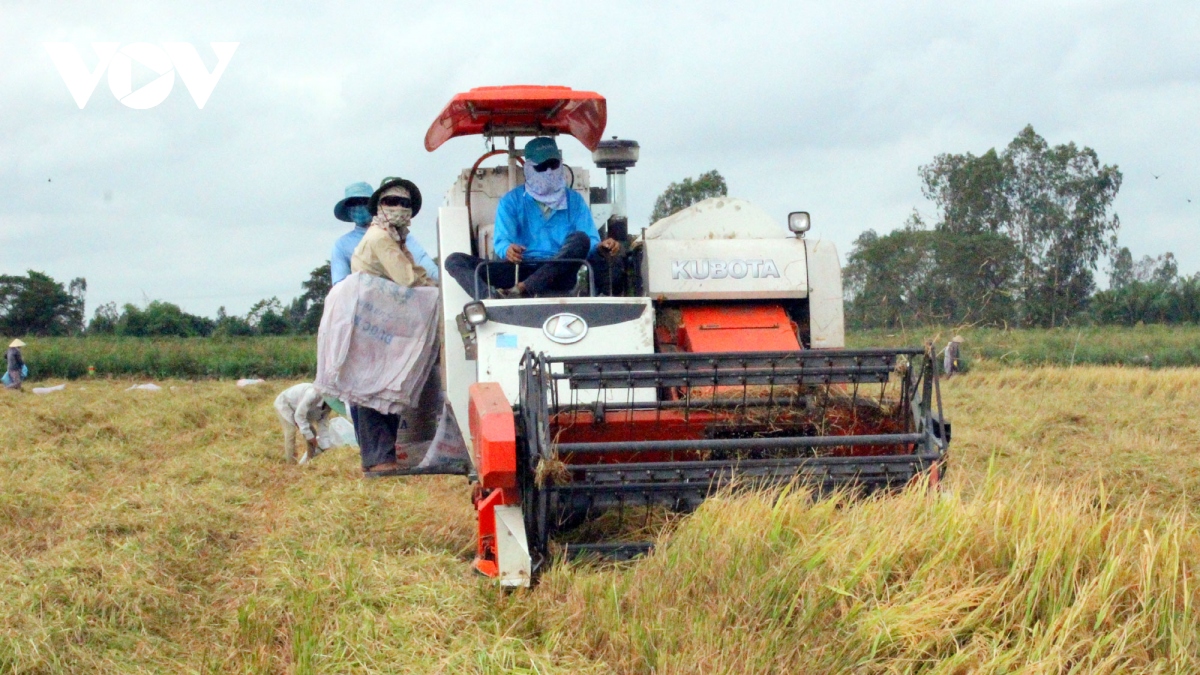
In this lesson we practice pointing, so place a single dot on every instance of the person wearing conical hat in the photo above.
(16, 364)
(950, 363)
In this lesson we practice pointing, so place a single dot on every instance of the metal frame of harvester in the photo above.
(723, 367)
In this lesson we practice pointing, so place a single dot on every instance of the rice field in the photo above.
(295, 356)
(158, 532)
(1147, 346)
(191, 358)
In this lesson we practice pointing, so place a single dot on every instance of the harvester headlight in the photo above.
(799, 222)
(476, 313)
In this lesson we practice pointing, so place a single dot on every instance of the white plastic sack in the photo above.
(248, 382)
(447, 452)
(149, 386)
(428, 440)
(49, 390)
(337, 433)
(377, 343)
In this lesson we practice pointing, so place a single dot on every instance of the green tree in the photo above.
(1053, 202)
(36, 304)
(976, 277)
(1124, 270)
(104, 320)
(162, 319)
(1148, 290)
(266, 317)
(1121, 273)
(679, 196)
(915, 275)
(231, 326)
(304, 313)
(972, 192)
(74, 316)
(1161, 269)
(889, 280)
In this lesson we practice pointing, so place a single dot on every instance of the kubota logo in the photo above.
(712, 268)
(170, 58)
(565, 328)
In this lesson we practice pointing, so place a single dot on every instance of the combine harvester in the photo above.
(724, 364)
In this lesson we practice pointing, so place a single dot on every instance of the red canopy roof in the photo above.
(522, 110)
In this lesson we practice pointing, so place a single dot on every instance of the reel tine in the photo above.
(713, 403)
(745, 393)
(629, 399)
(771, 390)
(546, 380)
(825, 406)
(854, 398)
(657, 408)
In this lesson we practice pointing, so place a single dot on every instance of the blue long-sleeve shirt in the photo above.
(519, 220)
(343, 248)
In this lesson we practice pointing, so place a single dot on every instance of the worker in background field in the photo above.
(353, 209)
(301, 407)
(537, 223)
(950, 364)
(383, 253)
(16, 364)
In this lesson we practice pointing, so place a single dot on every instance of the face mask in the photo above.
(397, 218)
(360, 214)
(548, 187)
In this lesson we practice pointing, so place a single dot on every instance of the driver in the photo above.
(537, 225)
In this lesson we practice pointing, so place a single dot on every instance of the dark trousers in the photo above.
(541, 277)
(610, 273)
(376, 434)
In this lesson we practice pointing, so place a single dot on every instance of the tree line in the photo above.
(1019, 237)
(1150, 290)
(36, 304)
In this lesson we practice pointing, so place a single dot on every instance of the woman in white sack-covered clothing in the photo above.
(383, 253)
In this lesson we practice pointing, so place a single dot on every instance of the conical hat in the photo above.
(16, 343)
(956, 338)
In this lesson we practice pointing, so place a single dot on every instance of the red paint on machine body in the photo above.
(494, 435)
(736, 328)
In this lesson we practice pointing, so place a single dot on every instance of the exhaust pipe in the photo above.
(616, 156)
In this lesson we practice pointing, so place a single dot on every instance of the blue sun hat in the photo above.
(353, 191)
(541, 149)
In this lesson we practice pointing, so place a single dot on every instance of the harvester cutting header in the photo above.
(706, 349)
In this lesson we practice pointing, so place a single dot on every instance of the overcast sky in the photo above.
(829, 107)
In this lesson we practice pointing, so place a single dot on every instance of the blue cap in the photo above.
(361, 191)
(541, 149)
